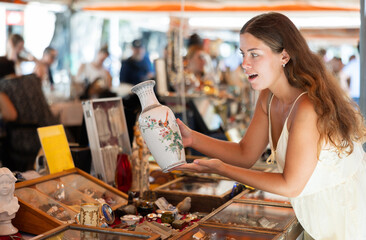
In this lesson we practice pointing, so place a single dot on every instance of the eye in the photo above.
(254, 54)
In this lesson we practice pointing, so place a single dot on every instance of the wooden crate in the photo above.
(72, 231)
(207, 193)
(32, 219)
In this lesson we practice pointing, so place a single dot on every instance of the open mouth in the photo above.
(252, 76)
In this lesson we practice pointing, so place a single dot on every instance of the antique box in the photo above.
(256, 216)
(53, 200)
(76, 232)
(204, 231)
(107, 133)
(212, 191)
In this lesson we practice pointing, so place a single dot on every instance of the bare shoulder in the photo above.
(304, 113)
(305, 106)
(263, 100)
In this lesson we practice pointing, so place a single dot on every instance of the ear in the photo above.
(285, 57)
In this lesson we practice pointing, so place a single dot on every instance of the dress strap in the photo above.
(271, 158)
(295, 103)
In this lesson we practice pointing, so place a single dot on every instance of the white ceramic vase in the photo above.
(159, 128)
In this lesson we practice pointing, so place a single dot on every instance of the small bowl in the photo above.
(152, 216)
(130, 219)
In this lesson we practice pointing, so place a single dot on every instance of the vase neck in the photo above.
(147, 96)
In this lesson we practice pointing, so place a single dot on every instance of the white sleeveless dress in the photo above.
(333, 203)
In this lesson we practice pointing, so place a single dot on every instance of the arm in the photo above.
(7, 109)
(243, 154)
(40, 70)
(301, 159)
(80, 76)
(108, 79)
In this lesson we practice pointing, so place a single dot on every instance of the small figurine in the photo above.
(185, 205)
(139, 162)
(8, 202)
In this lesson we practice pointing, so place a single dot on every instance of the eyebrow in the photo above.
(251, 49)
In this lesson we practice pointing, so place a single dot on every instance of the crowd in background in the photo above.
(348, 74)
(205, 72)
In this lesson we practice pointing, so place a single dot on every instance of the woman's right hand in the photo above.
(186, 133)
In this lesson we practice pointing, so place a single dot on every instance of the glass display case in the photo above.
(64, 193)
(207, 232)
(256, 216)
(93, 190)
(263, 197)
(53, 200)
(213, 191)
(77, 232)
(107, 133)
(46, 204)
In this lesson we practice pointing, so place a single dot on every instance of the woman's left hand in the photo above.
(203, 166)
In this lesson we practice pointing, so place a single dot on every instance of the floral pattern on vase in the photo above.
(159, 128)
(167, 134)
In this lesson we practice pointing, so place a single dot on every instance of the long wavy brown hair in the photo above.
(340, 122)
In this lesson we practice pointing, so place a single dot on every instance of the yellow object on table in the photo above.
(56, 148)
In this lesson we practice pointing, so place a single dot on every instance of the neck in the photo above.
(284, 92)
(97, 64)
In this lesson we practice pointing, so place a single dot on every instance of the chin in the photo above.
(257, 87)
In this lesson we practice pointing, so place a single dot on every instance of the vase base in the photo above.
(168, 168)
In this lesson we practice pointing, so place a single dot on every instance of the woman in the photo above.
(315, 132)
(90, 72)
(14, 50)
(25, 109)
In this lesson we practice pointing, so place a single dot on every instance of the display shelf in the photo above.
(40, 205)
(76, 232)
(212, 191)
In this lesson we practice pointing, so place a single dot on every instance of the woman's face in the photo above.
(262, 66)
(19, 47)
(6, 185)
(101, 57)
(197, 62)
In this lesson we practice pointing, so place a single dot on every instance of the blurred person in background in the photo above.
(194, 65)
(138, 67)
(201, 65)
(90, 72)
(336, 65)
(351, 75)
(7, 68)
(15, 51)
(43, 66)
(7, 109)
(24, 108)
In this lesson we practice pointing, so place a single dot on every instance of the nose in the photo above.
(245, 64)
